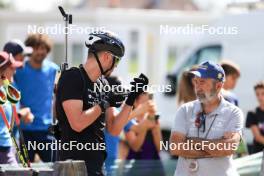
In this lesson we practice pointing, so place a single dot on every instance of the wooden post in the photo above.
(69, 168)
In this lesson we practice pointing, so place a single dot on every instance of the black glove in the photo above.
(138, 86)
(112, 99)
(115, 98)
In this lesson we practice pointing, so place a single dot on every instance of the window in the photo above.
(212, 53)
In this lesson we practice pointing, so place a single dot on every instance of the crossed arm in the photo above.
(200, 147)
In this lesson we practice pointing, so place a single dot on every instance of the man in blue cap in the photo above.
(207, 131)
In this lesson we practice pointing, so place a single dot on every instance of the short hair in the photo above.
(91, 54)
(36, 40)
(259, 85)
(230, 68)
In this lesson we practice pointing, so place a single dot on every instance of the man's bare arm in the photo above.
(79, 119)
(178, 139)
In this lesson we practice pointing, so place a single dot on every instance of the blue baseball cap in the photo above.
(210, 69)
(16, 47)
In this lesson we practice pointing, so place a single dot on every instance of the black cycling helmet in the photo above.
(105, 41)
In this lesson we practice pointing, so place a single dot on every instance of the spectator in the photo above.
(17, 49)
(255, 119)
(7, 68)
(209, 119)
(111, 141)
(232, 73)
(36, 83)
(140, 110)
(145, 143)
(186, 87)
(144, 138)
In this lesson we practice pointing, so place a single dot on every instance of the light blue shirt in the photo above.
(5, 139)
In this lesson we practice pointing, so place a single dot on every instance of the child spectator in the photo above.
(255, 119)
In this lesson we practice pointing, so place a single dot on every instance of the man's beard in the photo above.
(206, 97)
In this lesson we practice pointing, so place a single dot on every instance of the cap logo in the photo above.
(219, 76)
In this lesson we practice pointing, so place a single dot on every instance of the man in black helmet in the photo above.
(81, 109)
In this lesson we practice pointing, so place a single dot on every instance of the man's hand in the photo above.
(179, 139)
(114, 98)
(138, 86)
(228, 135)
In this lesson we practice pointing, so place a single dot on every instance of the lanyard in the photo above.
(12, 95)
(198, 128)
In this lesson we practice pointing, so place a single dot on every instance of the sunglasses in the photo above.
(115, 58)
(200, 122)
